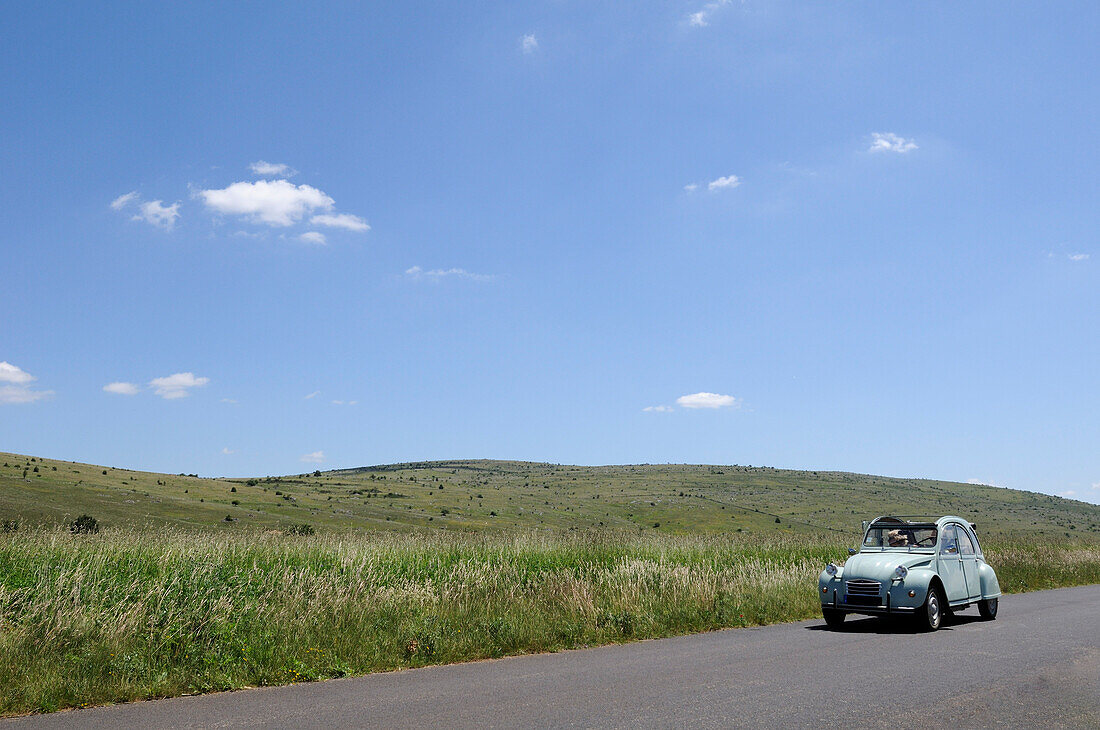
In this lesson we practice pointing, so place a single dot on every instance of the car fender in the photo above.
(991, 587)
(918, 580)
(828, 585)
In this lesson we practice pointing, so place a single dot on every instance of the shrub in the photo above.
(302, 529)
(84, 525)
(11, 526)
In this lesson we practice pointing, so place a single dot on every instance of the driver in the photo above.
(898, 538)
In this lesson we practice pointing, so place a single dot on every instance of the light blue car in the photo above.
(906, 566)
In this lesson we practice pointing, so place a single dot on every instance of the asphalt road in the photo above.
(1038, 664)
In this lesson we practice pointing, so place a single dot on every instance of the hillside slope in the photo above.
(480, 495)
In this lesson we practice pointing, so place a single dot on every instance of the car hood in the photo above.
(880, 566)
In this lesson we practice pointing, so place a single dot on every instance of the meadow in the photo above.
(131, 613)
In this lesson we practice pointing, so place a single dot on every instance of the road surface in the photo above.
(1038, 664)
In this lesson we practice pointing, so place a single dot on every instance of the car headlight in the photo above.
(830, 569)
(901, 571)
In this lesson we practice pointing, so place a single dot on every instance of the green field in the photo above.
(480, 495)
(132, 614)
(415, 564)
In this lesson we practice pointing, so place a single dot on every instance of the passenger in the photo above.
(898, 538)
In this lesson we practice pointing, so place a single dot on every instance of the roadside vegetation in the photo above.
(122, 614)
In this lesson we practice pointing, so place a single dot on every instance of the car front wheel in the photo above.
(833, 617)
(988, 609)
(930, 615)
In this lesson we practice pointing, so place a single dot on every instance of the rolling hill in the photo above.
(494, 495)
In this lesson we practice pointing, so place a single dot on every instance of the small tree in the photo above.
(84, 525)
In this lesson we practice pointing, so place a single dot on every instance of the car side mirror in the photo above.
(852, 551)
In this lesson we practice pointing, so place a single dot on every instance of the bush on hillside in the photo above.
(84, 525)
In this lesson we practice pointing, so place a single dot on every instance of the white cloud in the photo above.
(708, 400)
(227, 451)
(347, 221)
(20, 394)
(18, 390)
(121, 388)
(417, 274)
(890, 142)
(529, 43)
(153, 212)
(274, 202)
(177, 385)
(729, 181)
(316, 457)
(272, 169)
(1067, 493)
(314, 394)
(1078, 257)
(344, 402)
(985, 483)
(701, 18)
(1096, 486)
(123, 200)
(658, 409)
(13, 374)
(313, 237)
(156, 213)
(691, 187)
(229, 400)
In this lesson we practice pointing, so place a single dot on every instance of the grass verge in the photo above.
(126, 615)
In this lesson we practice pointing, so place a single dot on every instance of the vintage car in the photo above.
(914, 567)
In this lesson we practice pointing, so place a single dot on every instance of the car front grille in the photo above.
(864, 592)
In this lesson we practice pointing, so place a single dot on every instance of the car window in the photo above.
(948, 544)
(965, 546)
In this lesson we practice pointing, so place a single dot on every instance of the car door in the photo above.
(969, 560)
(951, 570)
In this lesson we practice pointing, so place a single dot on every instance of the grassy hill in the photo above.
(494, 495)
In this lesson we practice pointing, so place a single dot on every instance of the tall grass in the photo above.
(118, 616)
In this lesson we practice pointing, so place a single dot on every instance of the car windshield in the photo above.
(901, 537)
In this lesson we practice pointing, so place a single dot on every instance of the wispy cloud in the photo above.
(890, 142)
(277, 203)
(123, 200)
(985, 483)
(1078, 256)
(701, 18)
(121, 388)
(344, 402)
(272, 169)
(313, 237)
(177, 385)
(347, 221)
(529, 43)
(691, 187)
(153, 212)
(1067, 493)
(418, 274)
(729, 181)
(658, 409)
(15, 385)
(315, 457)
(312, 395)
(708, 400)
(227, 451)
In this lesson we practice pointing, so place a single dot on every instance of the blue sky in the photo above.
(240, 239)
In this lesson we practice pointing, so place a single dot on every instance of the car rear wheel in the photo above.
(930, 615)
(988, 609)
(833, 617)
